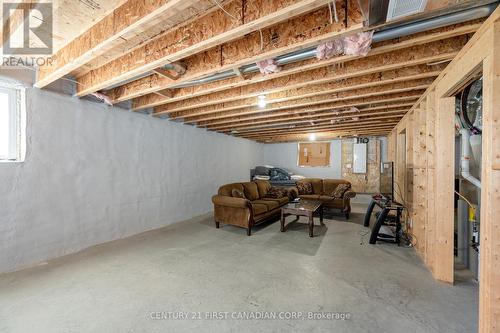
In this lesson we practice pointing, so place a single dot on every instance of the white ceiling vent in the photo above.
(402, 8)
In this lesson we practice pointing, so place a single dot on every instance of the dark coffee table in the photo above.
(303, 208)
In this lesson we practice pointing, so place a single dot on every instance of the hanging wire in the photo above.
(333, 12)
(225, 11)
(235, 18)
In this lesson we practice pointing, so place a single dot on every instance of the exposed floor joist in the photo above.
(299, 116)
(279, 136)
(295, 34)
(253, 114)
(335, 84)
(308, 65)
(401, 87)
(120, 25)
(303, 96)
(218, 27)
(315, 118)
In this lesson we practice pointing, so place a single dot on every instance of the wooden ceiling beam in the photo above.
(420, 55)
(164, 93)
(328, 135)
(325, 122)
(106, 34)
(299, 115)
(218, 27)
(253, 113)
(363, 126)
(309, 86)
(388, 126)
(147, 85)
(323, 98)
(316, 118)
(300, 32)
(379, 120)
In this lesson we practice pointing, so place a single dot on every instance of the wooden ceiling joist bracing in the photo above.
(290, 35)
(303, 66)
(203, 34)
(160, 55)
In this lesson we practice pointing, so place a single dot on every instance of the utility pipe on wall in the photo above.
(465, 159)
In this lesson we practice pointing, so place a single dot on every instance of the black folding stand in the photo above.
(384, 219)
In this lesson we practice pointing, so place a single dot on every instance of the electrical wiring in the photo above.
(235, 18)
(225, 11)
(465, 199)
(333, 12)
(408, 236)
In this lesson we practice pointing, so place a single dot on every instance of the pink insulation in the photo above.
(330, 49)
(358, 44)
(268, 66)
(102, 98)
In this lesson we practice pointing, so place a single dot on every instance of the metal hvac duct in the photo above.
(379, 36)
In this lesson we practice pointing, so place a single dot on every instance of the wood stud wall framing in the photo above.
(422, 144)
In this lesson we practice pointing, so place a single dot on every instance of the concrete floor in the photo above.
(132, 285)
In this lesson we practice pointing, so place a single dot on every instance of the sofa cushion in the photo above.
(269, 203)
(335, 203)
(259, 208)
(276, 193)
(236, 193)
(263, 186)
(329, 185)
(317, 184)
(340, 190)
(326, 198)
(280, 201)
(226, 190)
(304, 188)
(309, 196)
(251, 191)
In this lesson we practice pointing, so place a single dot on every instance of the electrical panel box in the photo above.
(359, 158)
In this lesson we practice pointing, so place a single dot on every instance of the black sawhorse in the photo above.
(384, 219)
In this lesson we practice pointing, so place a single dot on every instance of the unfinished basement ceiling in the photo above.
(170, 46)
(72, 17)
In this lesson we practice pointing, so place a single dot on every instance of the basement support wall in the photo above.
(481, 55)
(93, 174)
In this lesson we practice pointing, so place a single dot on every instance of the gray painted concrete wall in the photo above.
(94, 174)
(285, 155)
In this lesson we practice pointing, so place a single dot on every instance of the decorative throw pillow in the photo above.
(276, 193)
(292, 194)
(305, 188)
(238, 193)
(339, 191)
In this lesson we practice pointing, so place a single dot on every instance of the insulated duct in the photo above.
(379, 36)
(465, 157)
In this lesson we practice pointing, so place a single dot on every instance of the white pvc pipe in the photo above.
(465, 159)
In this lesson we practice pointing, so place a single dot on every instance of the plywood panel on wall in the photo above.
(362, 183)
(314, 154)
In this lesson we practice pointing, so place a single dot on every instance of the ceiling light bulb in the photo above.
(262, 103)
(312, 137)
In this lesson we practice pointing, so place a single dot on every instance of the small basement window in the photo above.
(313, 154)
(12, 124)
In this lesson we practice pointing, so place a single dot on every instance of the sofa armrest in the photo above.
(222, 200)
(293, 193)
(349, 194)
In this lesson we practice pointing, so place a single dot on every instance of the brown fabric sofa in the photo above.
(246, 213)
(322, 189)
